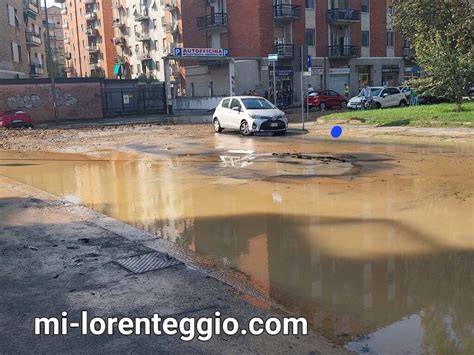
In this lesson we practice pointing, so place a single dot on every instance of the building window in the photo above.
(309, 4)
(365, 38)
(11, 15)
(158, 65)
(390, 38)
(310, 37)
(365, 6)
(16, 52)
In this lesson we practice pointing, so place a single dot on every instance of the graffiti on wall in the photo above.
(33, 101)
(23, 101)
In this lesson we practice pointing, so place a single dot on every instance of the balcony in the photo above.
(142, 37)
(36, 70)
(93, 48)
(65, 25)
(68, 56)
(142, 17)
(66, 40)
(94, 66)
(64, 11)
(286, 13)
(88, 2)
(33, 39)
(217, 20)
(343, 17)
(119, 41)
(170, 5)
(170, 27)
(118, 23)
(143, 56)
(30, 9)
(408, 53)
(343, 51)
(285, 51)
(91, 32)
(89, 16)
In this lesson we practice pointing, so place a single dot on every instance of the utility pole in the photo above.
(49, 58)
(302, 89)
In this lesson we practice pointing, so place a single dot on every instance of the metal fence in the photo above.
(134, 100)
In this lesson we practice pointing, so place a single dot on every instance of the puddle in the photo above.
(374, 259)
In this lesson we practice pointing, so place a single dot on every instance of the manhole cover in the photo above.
(148, 262)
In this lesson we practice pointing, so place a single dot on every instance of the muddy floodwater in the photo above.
(372, 243)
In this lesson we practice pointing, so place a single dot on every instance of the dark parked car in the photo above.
(15, 119)
(427, 98)
(325, 99)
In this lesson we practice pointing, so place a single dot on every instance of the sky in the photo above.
(50, 3)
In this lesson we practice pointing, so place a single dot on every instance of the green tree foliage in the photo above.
(442, 34)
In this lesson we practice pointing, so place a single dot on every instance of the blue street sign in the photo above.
(226, 52)
(273, 57)
(178, 52)
(309, 64)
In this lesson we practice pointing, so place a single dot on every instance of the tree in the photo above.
(442, 35)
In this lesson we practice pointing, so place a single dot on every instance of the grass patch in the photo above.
(442, 115)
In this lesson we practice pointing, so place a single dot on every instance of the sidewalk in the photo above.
(56, 257)
(187, 117)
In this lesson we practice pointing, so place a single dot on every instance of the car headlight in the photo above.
(256, 117)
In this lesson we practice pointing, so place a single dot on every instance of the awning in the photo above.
(117, 69)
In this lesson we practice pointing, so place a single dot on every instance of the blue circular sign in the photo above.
(336, 132)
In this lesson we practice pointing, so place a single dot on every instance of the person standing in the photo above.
(310, 89)
(347, 91)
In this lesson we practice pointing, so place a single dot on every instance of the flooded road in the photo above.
(372, 243)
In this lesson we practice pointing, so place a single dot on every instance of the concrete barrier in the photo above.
(196, 103)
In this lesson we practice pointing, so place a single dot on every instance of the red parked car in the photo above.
(324, 99)
(15, 119)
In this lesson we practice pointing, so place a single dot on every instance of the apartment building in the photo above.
(88, 38)
(13, 60)
(22, 49)
(173, 38)
(35, 38)
(56, 39)
(144, 19)
(350, 41)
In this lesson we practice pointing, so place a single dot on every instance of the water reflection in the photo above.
(354, 257)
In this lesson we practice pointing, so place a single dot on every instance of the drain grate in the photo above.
(148, 262)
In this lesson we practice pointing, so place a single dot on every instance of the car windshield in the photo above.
(376, 91)
(257, 104)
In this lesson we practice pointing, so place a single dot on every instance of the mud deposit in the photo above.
(373, 244)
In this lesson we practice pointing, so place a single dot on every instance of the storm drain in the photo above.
(148, 262)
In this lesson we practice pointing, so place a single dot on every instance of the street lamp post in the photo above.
(50, 64)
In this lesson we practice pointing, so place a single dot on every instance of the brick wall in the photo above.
(75, 100)
(378, 28)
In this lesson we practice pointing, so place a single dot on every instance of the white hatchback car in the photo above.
(383, 97)
(249, 114)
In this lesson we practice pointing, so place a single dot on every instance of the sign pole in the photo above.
(302, 89)
(274, 84)
(309, 66)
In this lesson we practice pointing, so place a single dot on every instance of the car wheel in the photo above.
(244, 128)
(217, 126)
(322, 106)
(471, 95)
(378, 105)
(344, 105)
(403, 103)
